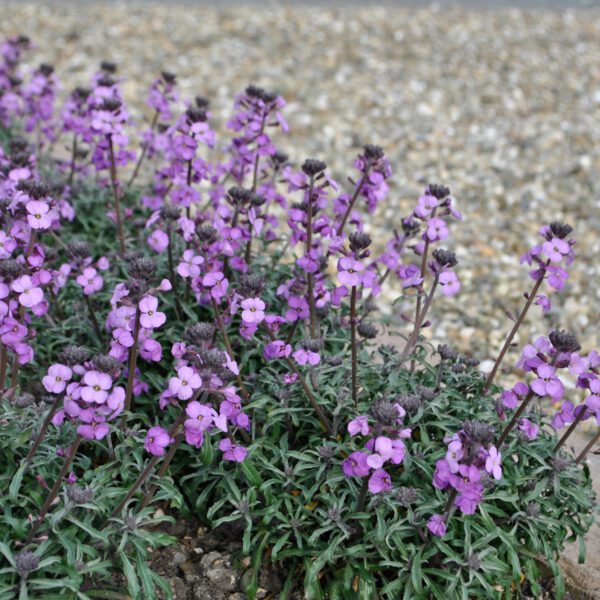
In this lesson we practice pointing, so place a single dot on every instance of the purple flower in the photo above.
(149, 317)
(379, 481)
(96, 387)
(557, 277)
(556, 249)
(564, 416)
(56, 380)
(530, 430)
(90, 281)
(157, 439)
(547, 383)
(437, 230)
(510, 398)
(356, 465)
(449, 282)
(253, 310)
(349, 271)
(277, 349)
(437, 525)
(29, 294)
(303, 356)
(158, 240)
(39, 216)
(232, 451)
(190, 265)
(359, 425)
(493, 463)
(443, 475)
(454, 454)
(185, 383)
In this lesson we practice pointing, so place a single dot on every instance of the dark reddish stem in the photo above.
(320, 414)
(509, 427)
(310, 276)
(513, 331)
(55, 489)
(357, 191)
(587, 448)
(143, 153)
(115, 191)
(580, 416)
(42, 431)
(414, 336)
(133, 352)
(354, 347)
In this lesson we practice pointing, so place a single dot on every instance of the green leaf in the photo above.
(133, 584)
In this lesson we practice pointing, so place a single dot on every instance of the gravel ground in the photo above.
(502, 105)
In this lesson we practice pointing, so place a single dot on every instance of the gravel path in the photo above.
(502, 105)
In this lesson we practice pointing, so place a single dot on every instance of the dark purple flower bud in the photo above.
(564, 341)
(409, 402)
(23, 400)
(212, 358)
(80, 495)
(196, 115)
(17, 144)
(447, 353)
(251, 285)
(469, 361)
(373, 153)
(73, 355)
(279, 159)
(253, 91)
(478, 432)
(257, 200)
(312, 167)
(199, 333)
(407, 496)
(105, 364)
(426, 393)
(335, 361)
(108, 67)
(239, 195)
(561, 463)
(533, 510)
(474, 562)
(46, 70)
(327, 454)
(35, 189)
(207, 233)
(26, 562)
(384, 412)
(560, 230)
(80, 249)
(170, 213)
(445, 258)
(410, 226)
(111, 105)
(169, 78)
(359, 241)
(367, 330)
(10, 269)
(81, 94)
(439, 191)
(142, 268)
(311, 344)
(202, 103)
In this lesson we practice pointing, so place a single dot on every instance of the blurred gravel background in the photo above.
(502, 105)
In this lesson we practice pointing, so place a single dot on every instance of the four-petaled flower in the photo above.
(149, 317)
(157, 440)
(185, 383)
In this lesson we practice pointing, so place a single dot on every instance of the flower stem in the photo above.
(359, 187)
(132, 363)
(163, 469)
(362, 495)
(320, 414)
(55, 489)
(42, 432)
(354, 347)
(174, 282)
(93, 319)
(143, 153)
(310, 276)
(73, 160)
(513, 331)
(225, 337)
(3, 364)
(571, 429)
(144, 474)
(587, 448)
(509, 427)
(115, 191)
(419, 322)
